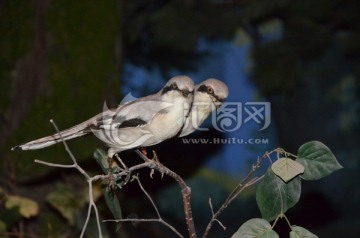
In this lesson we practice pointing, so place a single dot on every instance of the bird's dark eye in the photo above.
(210, 90)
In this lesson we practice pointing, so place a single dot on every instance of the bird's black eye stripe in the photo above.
(174, 87)
(202, 88)
(171, 87)
(206, 89)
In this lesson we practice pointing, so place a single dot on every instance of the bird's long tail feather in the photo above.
(73, 132)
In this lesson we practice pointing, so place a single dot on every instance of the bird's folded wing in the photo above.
(133, 114)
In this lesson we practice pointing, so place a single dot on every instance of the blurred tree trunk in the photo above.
(28, 78)
(60, 59)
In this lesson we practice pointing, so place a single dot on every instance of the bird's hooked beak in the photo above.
(187, 92)
(218, 102)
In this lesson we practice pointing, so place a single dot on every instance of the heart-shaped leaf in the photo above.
(317, 159)
(256, 228)
(287, 169)
(274, 197)
(300, 232)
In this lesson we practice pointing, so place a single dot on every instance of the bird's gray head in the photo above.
(181, 84)
(216, 90)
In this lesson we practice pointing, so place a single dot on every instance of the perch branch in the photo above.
(152, 164)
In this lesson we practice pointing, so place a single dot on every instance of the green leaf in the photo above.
(112, 202)
(27, 207)
(102, 159)
(255, 228)
(274, 197)
(111, 199)
(317, 159)
(287, 169)
(300, 232)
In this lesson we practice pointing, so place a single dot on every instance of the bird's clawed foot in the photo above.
(153, 163)
(143, 151)
(158, 164)
(155, 158)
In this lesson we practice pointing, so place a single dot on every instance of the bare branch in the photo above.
(185, 191)
(86, 221)
(83, 172)
(92, 204)
(212, 212)
(63, 141)
(155, 164)
(66, 166)
(148, 196)
(152, 164)
(160, 219)
(245, 183)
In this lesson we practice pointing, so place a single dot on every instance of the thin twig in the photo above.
(83, 172)
(148, 196)
(86, 220)
(212, 212)
(245, 183)
(121, 162)
(185, 191)
(66, 166)
(93, 205)
(153, 164)
(243, 187)
(159, 219)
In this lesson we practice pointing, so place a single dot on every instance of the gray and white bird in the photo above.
(140, 123)
(208, 95)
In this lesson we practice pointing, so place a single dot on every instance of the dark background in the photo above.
(61, 59)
